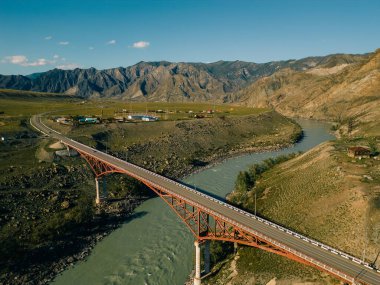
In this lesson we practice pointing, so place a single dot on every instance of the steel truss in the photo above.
(203, 224)
(99, 167)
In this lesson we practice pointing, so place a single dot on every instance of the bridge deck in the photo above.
(304, 247)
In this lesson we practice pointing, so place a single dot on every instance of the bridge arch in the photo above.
(205, 225)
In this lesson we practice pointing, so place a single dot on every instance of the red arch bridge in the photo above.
(212, 219)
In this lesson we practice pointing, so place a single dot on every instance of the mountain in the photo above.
(34, 75)
(167, 81)
(338, 89)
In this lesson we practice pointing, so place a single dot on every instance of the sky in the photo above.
(39, 35)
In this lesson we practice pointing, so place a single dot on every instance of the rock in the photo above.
(65, 204)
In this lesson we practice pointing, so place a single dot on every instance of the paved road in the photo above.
(337, 262)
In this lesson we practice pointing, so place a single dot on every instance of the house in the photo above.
(89, 120)
(359, 152)
(149, 118)
(119, 119)
(64, 121)
(144, 118)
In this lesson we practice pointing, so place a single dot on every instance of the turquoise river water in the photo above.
(156, 248)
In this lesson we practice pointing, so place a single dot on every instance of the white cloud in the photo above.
(63, 43)
(48, 38)
(68, 66)
(141, 44)
(111, 42)
(39, 62)
(22, 60)
(91, 48)
(16, 59)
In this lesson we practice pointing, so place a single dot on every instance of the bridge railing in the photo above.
(262, 220)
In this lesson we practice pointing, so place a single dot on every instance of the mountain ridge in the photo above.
(338, 87)
(164, 80)
(331, 93)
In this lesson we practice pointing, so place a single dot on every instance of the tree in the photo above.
(243, 182)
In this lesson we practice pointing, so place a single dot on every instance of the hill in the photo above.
(337, 90)
(335, 200)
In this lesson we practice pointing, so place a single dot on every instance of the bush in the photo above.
(63, 222)
(10, 246)
(246, 180)
(220, 250)
(243, 182)
(334, 127)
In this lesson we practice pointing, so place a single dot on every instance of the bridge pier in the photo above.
(207, 256)
(197, 276)
(99, 197)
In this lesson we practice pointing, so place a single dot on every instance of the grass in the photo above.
(173, 111)
(164, 145)
(323, 194)
(16, 106)
(5, 93)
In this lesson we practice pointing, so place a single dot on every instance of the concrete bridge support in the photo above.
(99, 197)
(197, 276)
(207, 256)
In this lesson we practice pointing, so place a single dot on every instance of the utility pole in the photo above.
(374, 262)
(255, 202)
(365, 244)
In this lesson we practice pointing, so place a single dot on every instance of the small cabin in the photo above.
(88, 120)
(359, 152)
(144, 118)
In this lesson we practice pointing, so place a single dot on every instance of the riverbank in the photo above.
(334, 200)
(164, 256)
(57, 217)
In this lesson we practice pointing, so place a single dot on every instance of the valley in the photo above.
(55, 195)
(236, 108)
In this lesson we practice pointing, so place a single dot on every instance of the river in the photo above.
(156, 248)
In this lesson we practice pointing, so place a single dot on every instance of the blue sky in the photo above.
(38, 35)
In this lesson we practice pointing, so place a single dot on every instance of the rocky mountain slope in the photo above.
(166, 81)
(337, 90)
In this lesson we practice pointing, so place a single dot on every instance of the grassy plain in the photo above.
(18, 106)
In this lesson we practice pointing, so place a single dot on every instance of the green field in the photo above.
(18, 106)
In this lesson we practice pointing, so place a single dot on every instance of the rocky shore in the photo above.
(121, 214)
